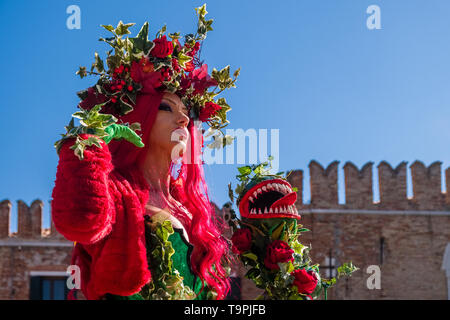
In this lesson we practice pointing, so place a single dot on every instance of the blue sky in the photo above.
(312, 69)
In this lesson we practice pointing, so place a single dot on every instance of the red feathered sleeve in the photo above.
(82, 206)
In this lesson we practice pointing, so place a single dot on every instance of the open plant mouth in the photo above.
(269, 199)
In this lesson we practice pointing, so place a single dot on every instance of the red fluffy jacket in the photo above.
(103, 211)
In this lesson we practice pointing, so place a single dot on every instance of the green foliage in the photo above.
(141, 42)
(91, 122)
(166, 284)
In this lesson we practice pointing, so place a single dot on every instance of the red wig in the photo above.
(189, 188)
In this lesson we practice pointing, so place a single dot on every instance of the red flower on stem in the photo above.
(162, 47)
(277, 251)
(306, 281)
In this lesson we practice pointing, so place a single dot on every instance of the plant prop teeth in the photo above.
(272, 198)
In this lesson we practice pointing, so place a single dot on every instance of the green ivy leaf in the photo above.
(141, 42)
(108, 27)
(122, 28)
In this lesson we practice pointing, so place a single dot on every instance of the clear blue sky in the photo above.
(312, 69)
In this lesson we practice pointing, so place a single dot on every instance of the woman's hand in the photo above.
(118, 131)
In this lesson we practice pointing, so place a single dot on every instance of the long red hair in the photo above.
(189, 188)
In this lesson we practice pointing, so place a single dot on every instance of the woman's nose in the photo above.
(183, 119)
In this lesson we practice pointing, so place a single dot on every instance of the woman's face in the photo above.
(169, 132)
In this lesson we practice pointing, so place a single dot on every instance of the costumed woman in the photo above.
(136, 204)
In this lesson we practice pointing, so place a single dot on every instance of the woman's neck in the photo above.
(155, 168)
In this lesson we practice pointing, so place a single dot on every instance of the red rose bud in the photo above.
(114, 99)
(162, 47)
(277, 251)
(130, 88)
(306, 281)
(122, 82)
(242, 240)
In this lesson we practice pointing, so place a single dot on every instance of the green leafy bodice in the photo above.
(168, 256)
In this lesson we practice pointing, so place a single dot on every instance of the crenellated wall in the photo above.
(29, 222)
(404, 237)
(426, 186)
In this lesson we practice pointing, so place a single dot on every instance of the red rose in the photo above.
(209, 110)
(162, 47)
(277, 251)
(306, 281)
(242, 240)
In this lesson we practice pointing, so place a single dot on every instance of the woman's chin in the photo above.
(178, 150)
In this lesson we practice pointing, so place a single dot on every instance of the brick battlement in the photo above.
(29, 222)
(426, 186)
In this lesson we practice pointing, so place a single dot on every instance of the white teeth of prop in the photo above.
(265, 210)
(259, 190)
(255, 194)
(250, 199)
(270, 210)
(276, 210)
(277, 187)
(260, 211)
(269, 186)
(264, 188)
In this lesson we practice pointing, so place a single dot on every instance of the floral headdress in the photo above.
(137, 64)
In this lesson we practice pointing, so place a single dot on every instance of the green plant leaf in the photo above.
(141, 42)
(122, 28)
